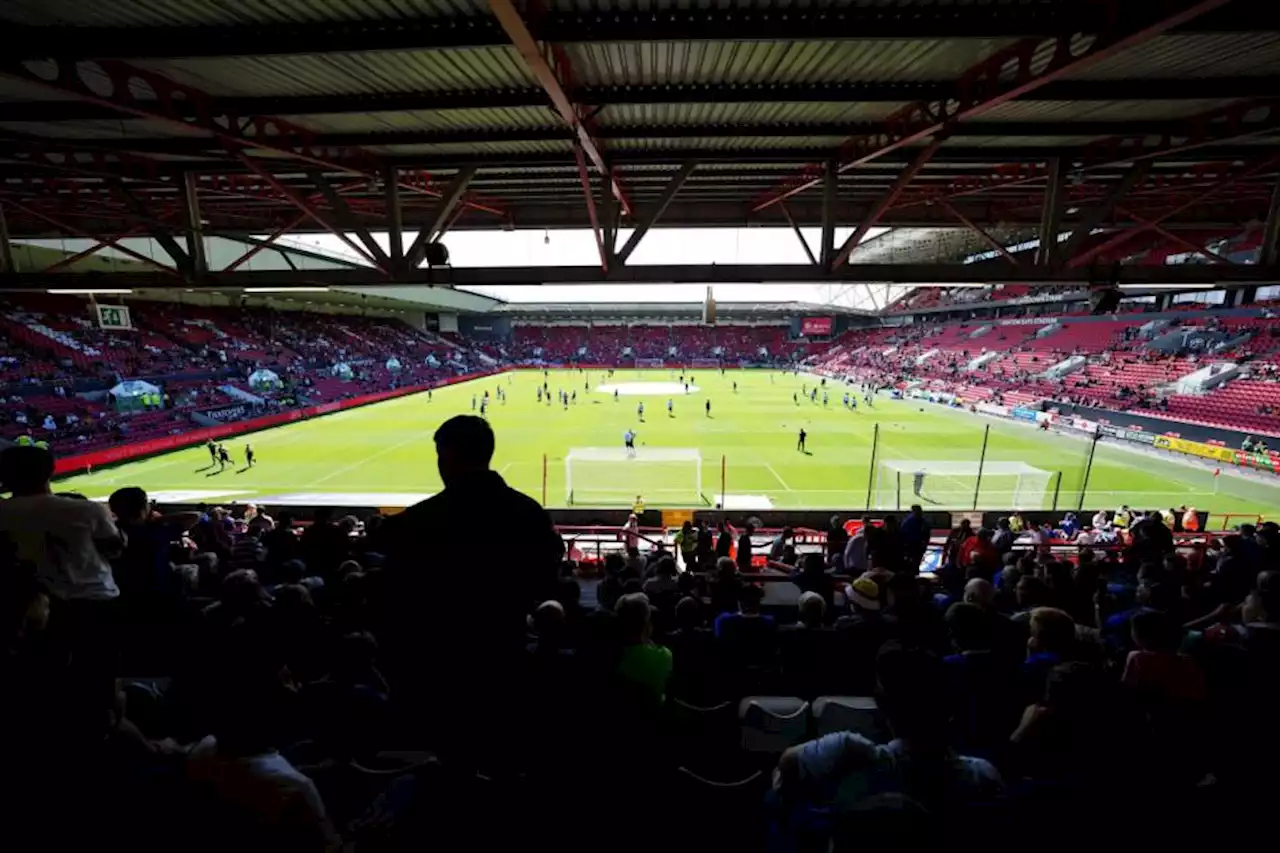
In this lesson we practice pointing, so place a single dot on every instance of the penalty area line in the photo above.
(778, 477)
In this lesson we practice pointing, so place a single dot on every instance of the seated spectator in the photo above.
(813, 577)
(247, 791)
(747, 638)
(862, 633)
(644, 664)
(1052, 641)
(1155, 670)
(726, 587)
(696, 674)
(664, 584)
(808, 649)
(844, 768)
(982, 681)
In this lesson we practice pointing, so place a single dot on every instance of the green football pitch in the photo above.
(744, 454)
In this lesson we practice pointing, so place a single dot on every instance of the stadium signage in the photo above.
(1024, 414)
(227, 413)
(820, 326)
(114, 455)
(1195, 448)
(1029, 321)
(1135, 435)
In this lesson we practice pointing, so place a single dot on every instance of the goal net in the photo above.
(607, 476)
(950, 485)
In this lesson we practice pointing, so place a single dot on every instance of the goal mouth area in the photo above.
(614, 476)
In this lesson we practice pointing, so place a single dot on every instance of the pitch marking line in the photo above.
(418, 436)
(778, 477)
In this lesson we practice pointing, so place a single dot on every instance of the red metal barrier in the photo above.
(113, 455)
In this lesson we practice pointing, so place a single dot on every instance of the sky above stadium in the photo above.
(660, 246)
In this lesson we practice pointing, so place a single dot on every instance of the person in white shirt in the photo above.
(1100, 519)
(68, 540)
(855, 551)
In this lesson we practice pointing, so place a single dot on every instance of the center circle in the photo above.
(636, 389)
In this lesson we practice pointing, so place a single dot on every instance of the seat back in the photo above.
(770, 724)
(858, 714)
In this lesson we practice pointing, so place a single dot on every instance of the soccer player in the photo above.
(629, 442)
(708, 408)
(735, 387)
(825, 399)
(795, 398)
(428, 395)
(224, 458)
(853, 402)
(575, 396)
(846, 400)
(640, 412)
(800, 443)
(213, 451)
(917, 483)
(615, 395)
(473, 402)
(484, 406)
(248, 455)
(671, 408)
(813, 395)
(539, 393)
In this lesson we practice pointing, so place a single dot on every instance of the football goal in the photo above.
(951, 485)
(610, 476)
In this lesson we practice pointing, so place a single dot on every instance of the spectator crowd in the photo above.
(445, 676)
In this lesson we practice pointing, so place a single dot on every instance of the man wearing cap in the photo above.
(862, 633)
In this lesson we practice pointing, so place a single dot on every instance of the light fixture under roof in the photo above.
(89, 291)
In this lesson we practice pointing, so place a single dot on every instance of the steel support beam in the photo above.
(518, 31)
(918, 274)
(830, 187)
(1269, 251)
(1011, 73)
(1098, 213)
(67, 228)
(1125, 235)
(258, 247)
(655, 213)
(448, 203)
(69, 260)
(194, 225)
(886, 201)
(588, 191)
(297, 200)
(394, 214)
(6, 248)
(804, 244)
(992, 242)
(181, 260)
(1051, 216)
(347, 220)
(1177, 239)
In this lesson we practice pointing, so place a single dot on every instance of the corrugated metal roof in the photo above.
(177, 13)
(766, 5)
(727, 143)
(525, 118)
(452, 70)
(1195, 56)
(768, 112)
(655, 63)
(1026, 141)
(465, 149)
(1103, 110)
(122, 128)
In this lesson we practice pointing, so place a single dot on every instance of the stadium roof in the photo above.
(1119, 122)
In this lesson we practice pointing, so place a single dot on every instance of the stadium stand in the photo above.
(228, 676)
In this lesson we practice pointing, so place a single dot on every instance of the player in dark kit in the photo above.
(708, 408)
(800, 443)
(213, 450)
(224, 458)
(248, 455)
(917, 483)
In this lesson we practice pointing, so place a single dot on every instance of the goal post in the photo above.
(612, 476)
(945, 484)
